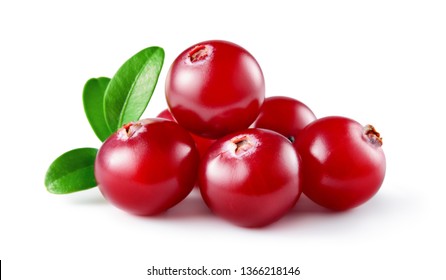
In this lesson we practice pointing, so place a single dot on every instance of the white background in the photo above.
(379, 62)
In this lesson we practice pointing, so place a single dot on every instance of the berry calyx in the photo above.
(373, 136)
(198, 53)
(243, 144)
(130, 130)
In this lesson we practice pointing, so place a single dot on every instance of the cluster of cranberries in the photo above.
(251, 157)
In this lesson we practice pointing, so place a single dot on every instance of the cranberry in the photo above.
(214, 88)
(147, 166)
(202, 143)
(343, 163)
(165, 114)
(251, 178)
(284, 115)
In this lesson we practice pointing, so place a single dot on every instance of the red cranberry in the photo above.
(251, 178)
(343, 162)
(147, 167)
(214, 88)
(284, 115)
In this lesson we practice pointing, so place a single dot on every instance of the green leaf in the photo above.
(71, 172)
(130, 90)
(93, 99)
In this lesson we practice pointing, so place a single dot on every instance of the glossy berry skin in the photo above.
(202, 143)
(284, 115)
(214, 88)
(251, 178)
(147, 167)
(343, 162)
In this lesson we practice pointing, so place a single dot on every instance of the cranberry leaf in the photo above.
(72, 171)
(131, 88)
(93, 99)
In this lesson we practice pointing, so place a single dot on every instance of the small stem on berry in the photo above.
(126, 127)
(129, 129)
(243, 144)
(199, 52)
(373, 136)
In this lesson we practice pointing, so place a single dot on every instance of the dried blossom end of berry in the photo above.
(373, 136)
